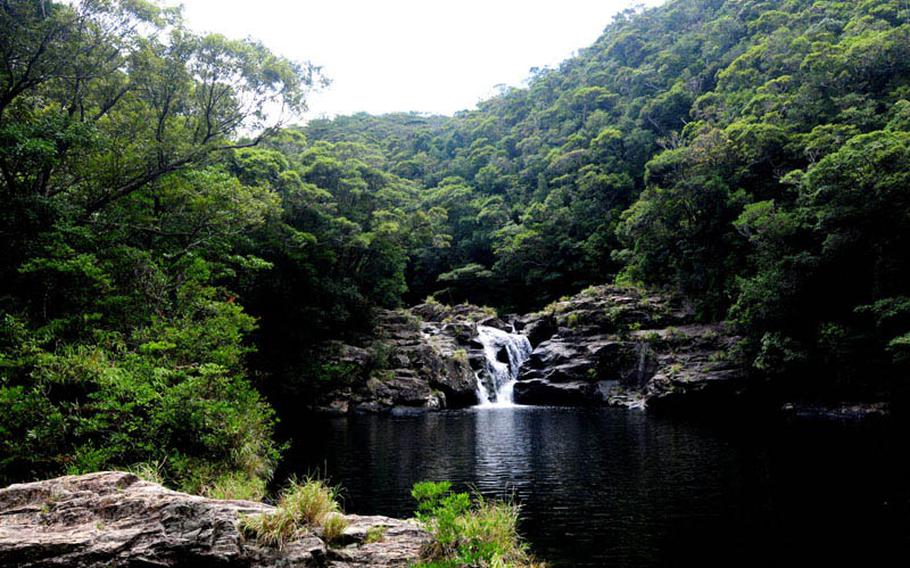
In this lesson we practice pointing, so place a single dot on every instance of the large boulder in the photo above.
(115, 519)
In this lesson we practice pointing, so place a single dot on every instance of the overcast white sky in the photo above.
(421, 55)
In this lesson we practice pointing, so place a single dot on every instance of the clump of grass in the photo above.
(333, 526)
(376, 533)
(590, 291)
(651, 337)
(302, 505)
(469, 531)
(554, 308)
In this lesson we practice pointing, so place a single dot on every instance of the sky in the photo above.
(427, 56)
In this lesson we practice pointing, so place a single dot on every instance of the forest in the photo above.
(174, 245)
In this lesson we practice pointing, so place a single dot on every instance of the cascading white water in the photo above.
(503, 374)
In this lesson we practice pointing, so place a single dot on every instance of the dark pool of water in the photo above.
(620, 488)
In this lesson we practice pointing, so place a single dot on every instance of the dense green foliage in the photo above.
(168, 256)
(122, 228)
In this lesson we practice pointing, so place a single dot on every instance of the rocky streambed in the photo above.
(605, 346)
(116, 519)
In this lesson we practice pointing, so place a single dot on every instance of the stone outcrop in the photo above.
(456, 330)
(610, 345)
(115, 519)
(402, 364)
(605, 346)
(423, 358)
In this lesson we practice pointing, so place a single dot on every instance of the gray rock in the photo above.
(115, 519)
(537, 327)
(408, 363)
(609, 336)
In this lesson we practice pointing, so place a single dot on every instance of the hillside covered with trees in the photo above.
(173, 253)
(751, 156)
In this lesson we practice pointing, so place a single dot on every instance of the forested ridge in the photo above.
(172, 255)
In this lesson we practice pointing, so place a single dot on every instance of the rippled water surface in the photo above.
(620, 488)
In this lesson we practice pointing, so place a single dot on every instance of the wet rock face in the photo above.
(115, 519)
(610, 345)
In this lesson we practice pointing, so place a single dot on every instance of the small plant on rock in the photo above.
(375, 533)
(381, 353)
(461, 356)
(149, 471)
(236, 485)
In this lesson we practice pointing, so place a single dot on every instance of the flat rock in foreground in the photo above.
(116, 519)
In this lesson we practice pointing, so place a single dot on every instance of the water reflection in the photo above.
(615, 488)
(503, 450)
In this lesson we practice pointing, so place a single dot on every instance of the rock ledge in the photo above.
(116, 519)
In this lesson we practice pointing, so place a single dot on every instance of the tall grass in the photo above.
(303, 506)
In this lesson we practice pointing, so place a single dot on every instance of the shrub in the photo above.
(381, 353)
(469, 531)
(119, 408)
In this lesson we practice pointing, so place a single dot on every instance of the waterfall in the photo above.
(504, 353)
